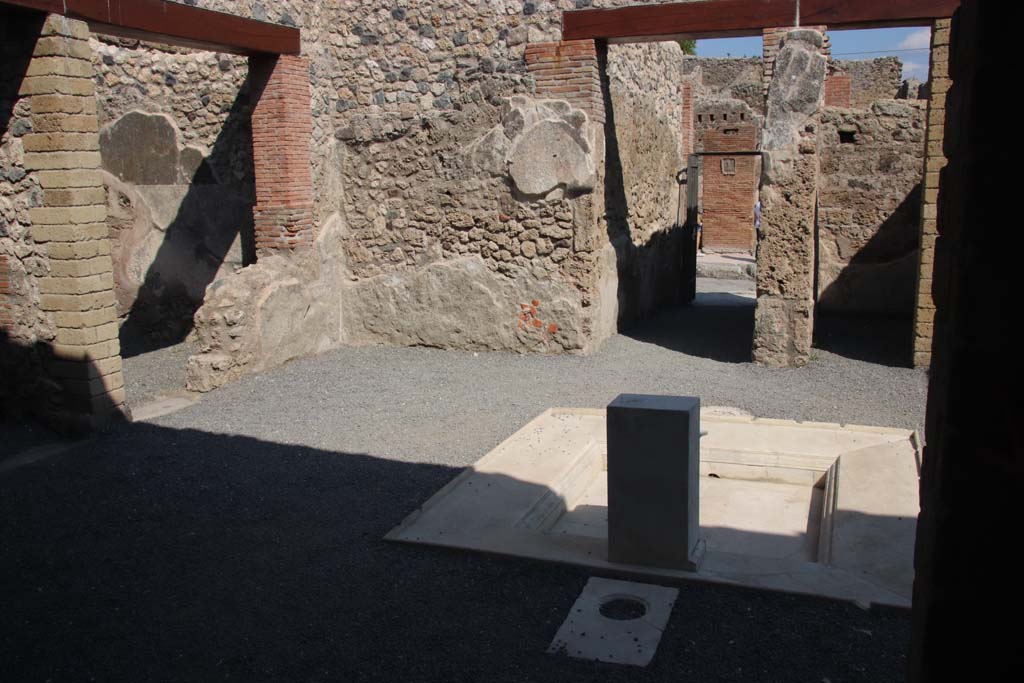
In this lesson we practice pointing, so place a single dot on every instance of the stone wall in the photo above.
(871, 79)
(729, 79)
(24, 327)
(869, 198)
(644, 156)
(432, 131)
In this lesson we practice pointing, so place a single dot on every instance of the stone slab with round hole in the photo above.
(620, 622)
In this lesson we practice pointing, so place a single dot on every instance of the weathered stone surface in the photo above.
(169, 242)
(551, 155)
(542, 146)
(869, 207)
(640, 200)
(796, 90)
(169, 239)
(782, 330)
(736, 79)
(268, 313)
(461, 304)
(874, 79)
(141, 149)
(785, 257)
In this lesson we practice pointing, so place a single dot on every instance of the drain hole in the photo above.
(713, 475)
(623, 609)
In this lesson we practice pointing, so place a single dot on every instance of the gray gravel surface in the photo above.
(240, 539)
(156, 373)
(451, 407)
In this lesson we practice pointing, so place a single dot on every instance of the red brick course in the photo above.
(686, 93)
(728, 203)
(728, 199)
(568, 70)
(838, 90)
(738, 138)
(282, 126)
(6, 307)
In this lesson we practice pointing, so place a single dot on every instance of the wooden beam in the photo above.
(732, 18)
(175, 24)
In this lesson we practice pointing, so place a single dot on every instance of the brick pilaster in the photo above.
(686, 93)
(935, 160)
(77, 292)
(282, 126)
(6, 294)
(568, 70)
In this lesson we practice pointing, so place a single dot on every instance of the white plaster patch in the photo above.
(588, 634)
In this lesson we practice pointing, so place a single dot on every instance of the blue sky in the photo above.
(909, 44)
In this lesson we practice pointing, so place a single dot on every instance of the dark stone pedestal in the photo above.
(653, 481)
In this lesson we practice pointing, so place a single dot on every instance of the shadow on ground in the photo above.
(170, 554)
(718, 326)
(873, 339)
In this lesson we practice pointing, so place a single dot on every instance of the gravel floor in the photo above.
(153, 374)
(240, 538)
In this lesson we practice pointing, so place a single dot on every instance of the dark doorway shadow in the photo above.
(717, 325)
(880, 339)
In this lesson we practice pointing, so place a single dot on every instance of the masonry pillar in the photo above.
(935, 160)
(972, 471)
(783, 320)
(574, 71)
(68, 226)
(282, 127)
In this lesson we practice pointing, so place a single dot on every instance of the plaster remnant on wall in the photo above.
(554, 150)
(283, 307)
(461, 304)
(545, 147)
(796, 90)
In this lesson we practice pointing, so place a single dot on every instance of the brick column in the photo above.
(686, 90)
(568, 70)
(935, 160)
(62, 155)
(282, 126)
(6, 294)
